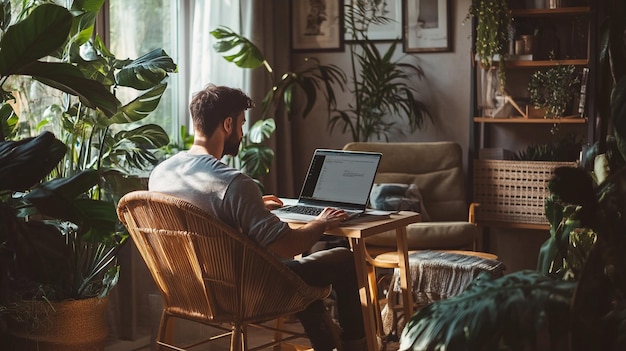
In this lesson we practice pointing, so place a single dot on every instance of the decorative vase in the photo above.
(74, 325)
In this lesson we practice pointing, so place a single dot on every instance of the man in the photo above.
(199, 177)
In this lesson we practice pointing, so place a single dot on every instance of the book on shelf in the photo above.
(583, 92)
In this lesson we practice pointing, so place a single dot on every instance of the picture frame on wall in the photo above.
(316, 25)
(391, 9)
(426, 25)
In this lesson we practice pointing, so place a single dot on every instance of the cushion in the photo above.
(429, 235)
(397, 197)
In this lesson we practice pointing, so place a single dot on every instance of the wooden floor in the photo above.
(256, 337)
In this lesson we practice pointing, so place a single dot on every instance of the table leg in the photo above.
(405, 273)
(358, 248)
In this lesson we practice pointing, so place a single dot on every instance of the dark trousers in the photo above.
(334, 267)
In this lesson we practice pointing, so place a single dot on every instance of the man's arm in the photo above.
(296, 241)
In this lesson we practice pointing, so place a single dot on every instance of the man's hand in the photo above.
(272, 202)
(332, 217)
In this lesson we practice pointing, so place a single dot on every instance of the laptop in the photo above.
(335, 178)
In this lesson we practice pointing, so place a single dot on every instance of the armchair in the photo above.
(437, 170)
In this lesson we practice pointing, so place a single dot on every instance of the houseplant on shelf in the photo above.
(59, 227)
(491, 36)
(553, 89)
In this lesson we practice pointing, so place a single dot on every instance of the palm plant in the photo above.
(382, 87)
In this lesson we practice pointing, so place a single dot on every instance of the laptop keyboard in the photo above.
(301, 209)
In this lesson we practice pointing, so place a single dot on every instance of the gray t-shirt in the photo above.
(221, 191)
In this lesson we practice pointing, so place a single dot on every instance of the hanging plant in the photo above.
(492, 32)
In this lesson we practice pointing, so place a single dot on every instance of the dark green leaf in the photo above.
(68, 78)
(56, 197)
(248, 56)
(147, 71)
(261, 130)
(41, 33)
(141, 107)
(25, 162)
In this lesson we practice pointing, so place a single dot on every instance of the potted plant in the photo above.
(553, 89)
(384, 89)
(59, 231)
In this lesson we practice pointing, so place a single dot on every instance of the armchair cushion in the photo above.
(429, 235)
(397, 197)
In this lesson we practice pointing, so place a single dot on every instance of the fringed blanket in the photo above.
(436, 275)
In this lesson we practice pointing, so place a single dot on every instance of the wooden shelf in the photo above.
(564, 120)
(564, 11)
(545, 63)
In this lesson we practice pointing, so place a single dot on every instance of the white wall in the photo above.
(445, 89)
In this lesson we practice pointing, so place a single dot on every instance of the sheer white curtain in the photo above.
(259, 21)
(205, 65)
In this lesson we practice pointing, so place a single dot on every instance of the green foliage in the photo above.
(383, 88)
(254, 158)
(493, 21)
(59, 228)
(565, 150)
(581, 303)
(507, 313)
(553, 88)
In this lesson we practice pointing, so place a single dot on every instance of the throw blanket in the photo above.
(435, 275)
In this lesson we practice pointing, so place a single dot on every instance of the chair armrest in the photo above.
(472, 212)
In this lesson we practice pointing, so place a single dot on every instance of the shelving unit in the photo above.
(562, 28)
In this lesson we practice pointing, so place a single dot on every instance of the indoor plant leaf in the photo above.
(38, 35)
(261, 130)
(25, 162)
(68, 78)
(147, 71)
(140, 107)
(248, 56)
(505, 312)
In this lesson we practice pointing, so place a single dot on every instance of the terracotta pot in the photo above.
(75, 325)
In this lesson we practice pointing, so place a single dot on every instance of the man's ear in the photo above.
(228, 124)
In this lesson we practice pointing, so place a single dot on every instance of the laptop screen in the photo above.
(343, 177)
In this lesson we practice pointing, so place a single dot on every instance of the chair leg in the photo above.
(237, 339)
(166, 329)
(278, 334)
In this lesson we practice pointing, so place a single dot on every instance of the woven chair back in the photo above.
(206, 270)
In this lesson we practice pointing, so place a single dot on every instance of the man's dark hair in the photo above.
(210, 106)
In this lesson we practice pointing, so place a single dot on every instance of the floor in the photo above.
(256, 336)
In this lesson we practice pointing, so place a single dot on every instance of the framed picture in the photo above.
(392, 30)
(316, 25)
(426, 25)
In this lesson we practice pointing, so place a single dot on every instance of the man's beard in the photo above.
(231, 145)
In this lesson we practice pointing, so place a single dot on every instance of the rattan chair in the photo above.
(209, 273)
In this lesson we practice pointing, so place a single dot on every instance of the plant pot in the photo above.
(75, 325)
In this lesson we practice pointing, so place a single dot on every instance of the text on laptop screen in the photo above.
(341, 177)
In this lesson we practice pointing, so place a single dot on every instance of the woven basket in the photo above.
(513, 191)
(76, 325)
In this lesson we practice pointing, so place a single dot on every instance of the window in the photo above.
(138, 27)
